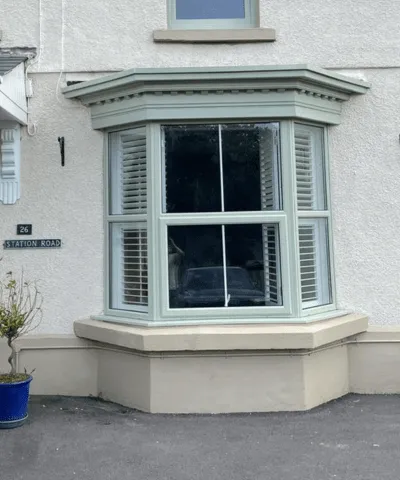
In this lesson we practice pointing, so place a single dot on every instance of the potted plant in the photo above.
(20, 313)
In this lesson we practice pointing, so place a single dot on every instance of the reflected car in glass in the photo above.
(204, 287)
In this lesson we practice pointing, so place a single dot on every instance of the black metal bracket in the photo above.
(61, 141)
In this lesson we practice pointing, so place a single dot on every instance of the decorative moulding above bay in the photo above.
(141, 95)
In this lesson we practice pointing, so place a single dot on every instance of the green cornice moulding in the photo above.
(137, 95)
(163, 76)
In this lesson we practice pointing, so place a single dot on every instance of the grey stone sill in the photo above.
(242, 35)
(223, 337)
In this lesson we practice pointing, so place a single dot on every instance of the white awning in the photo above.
(13, 104)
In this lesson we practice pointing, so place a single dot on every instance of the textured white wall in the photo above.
(61, 202)
(103, 35)
(365, 154)
(362, 37)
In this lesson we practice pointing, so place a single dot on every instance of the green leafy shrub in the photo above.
(20, 313)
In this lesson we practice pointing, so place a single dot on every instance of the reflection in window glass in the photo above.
(192, 252)
(247, 156)
(209, 9)
(200, 275)
(250, 166)
(192, 178)
(254, 250)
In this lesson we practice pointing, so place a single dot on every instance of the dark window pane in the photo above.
(196, 267)
(194, 258)
(192, 172)
(251, 167)
(209, 9)
(253, 265)
(250, 164)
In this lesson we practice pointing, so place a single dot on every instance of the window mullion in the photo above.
(329, 209)
(157, 254)
(288, 165)
(221, 177)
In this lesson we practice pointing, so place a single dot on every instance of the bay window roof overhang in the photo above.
(140, 95)
(13, 103)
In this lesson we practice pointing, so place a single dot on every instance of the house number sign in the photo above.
(24, 229)
(39, 243)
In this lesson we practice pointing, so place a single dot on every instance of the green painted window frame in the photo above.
(288, 219)
(250, 20)
(155, 97)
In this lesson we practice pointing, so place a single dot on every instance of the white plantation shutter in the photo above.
(128, 178)
(304, 170)
(309, 168)
(129, 266)
(314, 262)
(134, 265)
(133, 173)
(310, 193)
(272, 276)
(270, 190)
(308, 265)
(269, 168)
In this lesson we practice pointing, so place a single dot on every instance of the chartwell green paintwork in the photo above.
(142, 95)
(156, 96)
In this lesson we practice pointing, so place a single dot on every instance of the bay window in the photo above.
(226, 222)
(217, 192)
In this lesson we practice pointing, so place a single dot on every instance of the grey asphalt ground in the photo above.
(357, 437)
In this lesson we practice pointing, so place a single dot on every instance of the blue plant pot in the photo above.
(14, 403)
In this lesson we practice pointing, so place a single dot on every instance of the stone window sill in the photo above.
(223, 338)
(243, 35)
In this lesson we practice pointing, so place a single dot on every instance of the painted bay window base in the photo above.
(197, 369)
(222, 369)
(209, 369)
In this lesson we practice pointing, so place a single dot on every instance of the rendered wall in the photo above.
(66, 202)
(101, 35)
(61, 202)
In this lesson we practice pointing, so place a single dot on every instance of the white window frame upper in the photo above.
(250, 20)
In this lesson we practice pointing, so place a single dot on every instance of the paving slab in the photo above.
(356, 437)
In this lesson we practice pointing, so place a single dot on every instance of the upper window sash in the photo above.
(212, 14)
(221, 168)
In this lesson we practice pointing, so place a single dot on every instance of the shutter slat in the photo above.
(134, 279)
(308, 263)
(272, 278)
(133, 174)
(304, 170)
